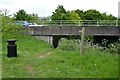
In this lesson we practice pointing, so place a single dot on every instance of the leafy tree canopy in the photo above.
(22, 15)
(73, 16)
(93, 14)
(59, 14)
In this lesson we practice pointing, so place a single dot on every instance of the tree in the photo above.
(111, 17)
(73, 16)
(21, 15)
(59, 14)
(6, 11)
(80, 13)
(92, 15)
(32, 16)
(104, 16)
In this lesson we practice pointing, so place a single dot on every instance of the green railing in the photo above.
(78, 22)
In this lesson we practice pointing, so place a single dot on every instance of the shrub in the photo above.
(65, 44)
(10, 29)
(89, 38)
(8, 25)
(74, 44)
(114, 48)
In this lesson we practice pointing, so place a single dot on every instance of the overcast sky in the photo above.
(46, 7)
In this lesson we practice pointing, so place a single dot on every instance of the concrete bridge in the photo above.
(46, 33)
(47, 30)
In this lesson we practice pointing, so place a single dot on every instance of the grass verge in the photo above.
(56, 64)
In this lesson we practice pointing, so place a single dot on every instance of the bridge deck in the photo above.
(74, 30)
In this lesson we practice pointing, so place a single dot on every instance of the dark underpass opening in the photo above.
(107, 39)
(96, 39)
(58, 37)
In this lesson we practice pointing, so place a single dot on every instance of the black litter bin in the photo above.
(12, 48)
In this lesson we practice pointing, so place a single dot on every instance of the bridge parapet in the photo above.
(74, 30)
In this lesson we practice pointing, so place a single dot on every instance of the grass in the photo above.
(57, 64)
(0, 56)
(72, 65)
(28, 49)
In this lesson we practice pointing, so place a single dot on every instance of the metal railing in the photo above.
(78, 22)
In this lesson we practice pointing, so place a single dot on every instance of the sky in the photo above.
(46, 7)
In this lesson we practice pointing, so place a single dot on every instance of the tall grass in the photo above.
(0, 55)
(27, 49)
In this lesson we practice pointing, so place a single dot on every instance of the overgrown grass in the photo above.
(0, 55)
(28, 48)
(58, 64)
(70, 64)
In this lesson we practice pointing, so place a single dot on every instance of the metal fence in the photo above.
(78, 22)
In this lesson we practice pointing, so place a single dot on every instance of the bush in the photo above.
(74, 44)
(114, 48)
(8, 25)
(10, 29)
(65, 44)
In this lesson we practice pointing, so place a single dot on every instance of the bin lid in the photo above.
(11, 40)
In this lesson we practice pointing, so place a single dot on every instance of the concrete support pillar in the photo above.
(50, 40)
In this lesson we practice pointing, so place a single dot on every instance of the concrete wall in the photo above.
(48, 39)
(74, 30)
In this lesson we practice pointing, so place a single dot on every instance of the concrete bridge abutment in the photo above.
(48, 39)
